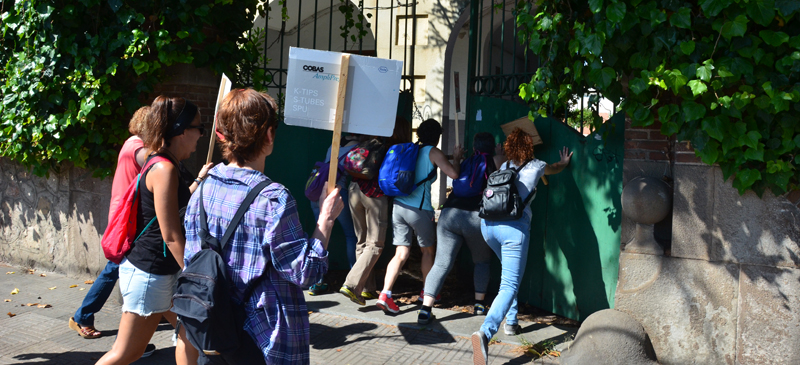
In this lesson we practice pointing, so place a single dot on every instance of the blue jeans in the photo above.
(509, 241)
(97, 295)
(345, 219)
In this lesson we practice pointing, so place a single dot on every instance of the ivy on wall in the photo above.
(72, 72)
(723, 74)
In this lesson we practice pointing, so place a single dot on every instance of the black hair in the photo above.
(483, 143)
(429, 132)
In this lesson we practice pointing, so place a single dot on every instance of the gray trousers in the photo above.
(455, 227)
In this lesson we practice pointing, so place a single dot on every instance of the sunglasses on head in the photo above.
(199, 128)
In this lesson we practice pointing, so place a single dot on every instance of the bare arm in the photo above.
(440, 160)
(201, 176)
(163, 182)
(557, 167)
(329, 208)
(141, 156)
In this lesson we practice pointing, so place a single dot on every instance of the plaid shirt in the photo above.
(268, 241)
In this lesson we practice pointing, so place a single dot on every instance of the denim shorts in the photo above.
(144, 293)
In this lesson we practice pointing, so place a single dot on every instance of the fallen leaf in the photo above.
(89, 282)
(32, 304)
(52, 288)
(9, 272)
(464, 310)
(7, 300)
(44, 306)
(15, 291)
(82, 289)
(338, 350)
(30, 271)
(555, 353)
(11, 314)
(73, 286)
(43, 275)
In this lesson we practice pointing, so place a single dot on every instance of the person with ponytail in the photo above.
(148, 273)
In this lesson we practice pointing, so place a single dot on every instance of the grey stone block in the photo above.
(632, 169)
(688, 307)
(693, 212)
(753, 230)
(769, 324)
(84, 257)
(610, 337)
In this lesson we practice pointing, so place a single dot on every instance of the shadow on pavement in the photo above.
(415, 335)
(321, 304)
(335, 337)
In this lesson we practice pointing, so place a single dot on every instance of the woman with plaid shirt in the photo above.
(269, 250)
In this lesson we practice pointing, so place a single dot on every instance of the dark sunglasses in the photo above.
(199, 128)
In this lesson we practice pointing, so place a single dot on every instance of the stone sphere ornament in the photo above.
(646, 201)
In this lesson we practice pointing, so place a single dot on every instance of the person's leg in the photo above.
(512, 242)
(185, 353)
(470, 226)
(97, 295)
(377, 222)
(447, 245)
(425, 228)
(133, 335)
(346, 220)
(402, 240)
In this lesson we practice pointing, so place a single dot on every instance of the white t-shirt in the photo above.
(527, 178)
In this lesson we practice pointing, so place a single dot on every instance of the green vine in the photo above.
(72, 72)
(347, 8)
(723, 74)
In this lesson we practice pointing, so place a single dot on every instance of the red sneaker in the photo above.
(387, 304)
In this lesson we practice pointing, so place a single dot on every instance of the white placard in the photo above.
(224, 89)
(312, 87)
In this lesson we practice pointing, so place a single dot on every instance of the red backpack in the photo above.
(119, 236)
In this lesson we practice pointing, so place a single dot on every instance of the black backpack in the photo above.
(203, 300)
(501, 200)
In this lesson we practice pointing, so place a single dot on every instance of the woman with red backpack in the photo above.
(459, 223)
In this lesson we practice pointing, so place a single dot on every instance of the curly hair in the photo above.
(519, 146)
(245, 116)
(138, 121)
(429, 132)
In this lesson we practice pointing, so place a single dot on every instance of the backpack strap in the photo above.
(236, 217)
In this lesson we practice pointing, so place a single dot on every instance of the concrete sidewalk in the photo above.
(341, 333)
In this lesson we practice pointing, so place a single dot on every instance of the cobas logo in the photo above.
(313, 68)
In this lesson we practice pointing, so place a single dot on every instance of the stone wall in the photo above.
(726, 290)
(55, 223)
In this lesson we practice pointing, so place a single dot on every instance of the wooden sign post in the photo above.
(337, 124)
(224, 89)
(458, 104)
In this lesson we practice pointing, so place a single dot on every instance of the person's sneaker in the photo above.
(369, 295)
(479, 309)
(149, 350)
(422, 295)
(480, 348)
(387, 304)
(318, 288)
(511, 329)
(352, 296)
(424, 317)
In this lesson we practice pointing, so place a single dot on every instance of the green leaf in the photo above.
(637, 85)
(756, 154)
(734, 28)
(595, 5)
(681, 19)
(593, 44)
(750, 139)
(787, 7)
(698, 87)
(675, 80)
(183, 34)
(616, 12)
(773, 38)
(115, 5)
(713, 126)
(704, 72)
(746, 178)
(669, 128)
(713, 7)
(692, 111)
(687, 47)
(761, 11)
(797, 141)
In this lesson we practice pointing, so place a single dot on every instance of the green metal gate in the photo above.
(573, 260)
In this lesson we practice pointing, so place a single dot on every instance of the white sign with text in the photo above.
(312, 86)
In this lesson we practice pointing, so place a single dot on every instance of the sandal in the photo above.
(84, 331)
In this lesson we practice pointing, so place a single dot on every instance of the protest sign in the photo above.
(341, 93)
(224, 89)
(312, 89)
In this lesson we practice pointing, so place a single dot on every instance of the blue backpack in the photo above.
(398, 171)
(472, 177)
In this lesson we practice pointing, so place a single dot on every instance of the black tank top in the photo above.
(149, 252)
